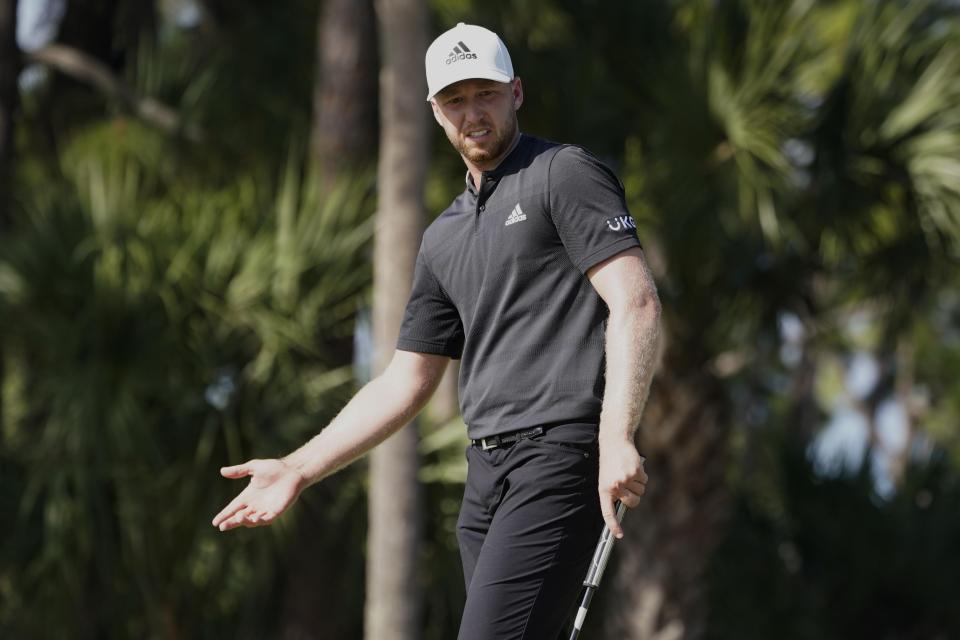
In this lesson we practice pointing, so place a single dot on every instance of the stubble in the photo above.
(482, 156)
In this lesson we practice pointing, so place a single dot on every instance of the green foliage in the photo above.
(838, 561)
(246, 76)
(443, 471)
(171, 308)
(883, 206)
(153, 332)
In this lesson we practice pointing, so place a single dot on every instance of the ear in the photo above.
(516, 87)
(436, 111)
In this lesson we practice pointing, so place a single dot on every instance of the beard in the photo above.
(502, 139)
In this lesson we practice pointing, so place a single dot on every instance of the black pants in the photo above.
(528, 525)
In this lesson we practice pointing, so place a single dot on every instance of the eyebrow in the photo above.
(484, 84)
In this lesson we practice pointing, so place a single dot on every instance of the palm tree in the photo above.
(9, 71)
(343, 138)
(393, 599)
(800, 161)
(345, 91)
(169, 327)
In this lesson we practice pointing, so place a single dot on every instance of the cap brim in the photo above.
(468, 73)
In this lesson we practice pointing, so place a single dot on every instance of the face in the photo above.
(479, 118)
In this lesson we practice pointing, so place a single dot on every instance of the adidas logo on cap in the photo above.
(460, 52)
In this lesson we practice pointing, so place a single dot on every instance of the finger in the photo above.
(228, 511)
(253, 518)
(628, 498)
(238, 519)
(265, 517)
(636, 487)
(236, 471)
(609, 511)
(232, 522)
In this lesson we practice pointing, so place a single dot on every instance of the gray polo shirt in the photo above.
(500, 282)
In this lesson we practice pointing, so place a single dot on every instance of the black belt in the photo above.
(507, 438)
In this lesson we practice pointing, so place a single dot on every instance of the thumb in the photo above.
(609, 510)
(236, 471)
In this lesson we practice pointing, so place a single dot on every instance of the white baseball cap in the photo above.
(464, 52)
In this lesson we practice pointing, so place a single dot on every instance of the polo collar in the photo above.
(505, 165)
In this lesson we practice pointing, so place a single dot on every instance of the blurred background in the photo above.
(189, 224)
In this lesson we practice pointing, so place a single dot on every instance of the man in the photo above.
(534, 277)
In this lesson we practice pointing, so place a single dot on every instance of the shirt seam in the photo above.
(441, 346)
(588, 261)
(549, 206)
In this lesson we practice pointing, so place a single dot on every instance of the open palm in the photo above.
(274, 486)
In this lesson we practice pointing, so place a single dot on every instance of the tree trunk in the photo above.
(656, 587)
(343, 137)
(320, 581)
(345, 92)
(393, 599)
(9, 70)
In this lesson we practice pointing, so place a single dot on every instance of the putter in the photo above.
(597, 565)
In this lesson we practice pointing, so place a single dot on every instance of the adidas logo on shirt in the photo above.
(517, 215)
(460, 52)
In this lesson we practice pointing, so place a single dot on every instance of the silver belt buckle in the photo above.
(489, 443)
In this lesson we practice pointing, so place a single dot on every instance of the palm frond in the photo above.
(162, 328)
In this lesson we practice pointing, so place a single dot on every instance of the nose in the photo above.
(473, 111)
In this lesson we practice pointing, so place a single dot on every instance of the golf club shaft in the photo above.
(595, 573)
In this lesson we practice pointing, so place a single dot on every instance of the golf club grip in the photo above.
(602, 553)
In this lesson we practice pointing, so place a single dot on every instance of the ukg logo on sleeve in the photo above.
(621, 223)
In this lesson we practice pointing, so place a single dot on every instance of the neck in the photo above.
(476, 171)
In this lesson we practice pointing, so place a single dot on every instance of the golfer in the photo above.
(535, 279)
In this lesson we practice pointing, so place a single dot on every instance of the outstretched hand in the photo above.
(622, 478)
(274, 485)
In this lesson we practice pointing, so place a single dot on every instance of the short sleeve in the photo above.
(431, 323)
(588, 208)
